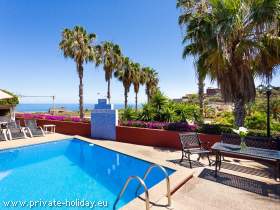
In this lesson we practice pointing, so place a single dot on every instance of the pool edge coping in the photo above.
(178, 178)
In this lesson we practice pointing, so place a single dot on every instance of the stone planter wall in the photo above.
(158, 137)
(66, 127)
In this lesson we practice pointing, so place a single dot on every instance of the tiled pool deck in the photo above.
(240, 186)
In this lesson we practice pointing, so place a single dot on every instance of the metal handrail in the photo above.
(166, 177)
(147, 199)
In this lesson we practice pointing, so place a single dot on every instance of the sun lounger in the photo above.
(15, 131)
(3, 134)
(33, 128)
(3, 128)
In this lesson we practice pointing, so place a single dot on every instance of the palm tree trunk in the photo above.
(108, 90)
(136, 101)
(239, 112)
(81, 94)
(148, 94)
(201, 93)
(125, 98)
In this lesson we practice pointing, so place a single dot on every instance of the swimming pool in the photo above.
(67, 171)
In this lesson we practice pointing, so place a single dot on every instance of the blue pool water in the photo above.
(69, 170)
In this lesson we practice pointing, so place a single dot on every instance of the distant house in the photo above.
(213, 91)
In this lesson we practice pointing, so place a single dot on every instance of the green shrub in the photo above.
(275, 126)
(262, 133)
(215, 129)
(275, 109)
(186, 112)
(167, 114)
(128, 114)
(161, 109)
(256, 121)
(225, 118)
(209, 112)
(147, 113)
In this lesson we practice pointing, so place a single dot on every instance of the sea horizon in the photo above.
(44, 107)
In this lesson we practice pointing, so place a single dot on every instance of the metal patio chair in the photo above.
(191, 145)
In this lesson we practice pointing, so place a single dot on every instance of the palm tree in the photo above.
(201, 73)
(201, 85)
(192, 7)
(227, 36)
(108, 54)
(137, 80)
(151, 81)
(77, 44)
(124, 74)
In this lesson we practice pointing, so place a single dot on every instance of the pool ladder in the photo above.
(142, 183)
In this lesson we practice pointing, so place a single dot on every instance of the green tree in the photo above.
(109, 55)
(228, 37)
(163, 108)
(158, 101)
(78, 45)
(147, 113)
(137, 80)
(151, 81)
(196, 8)
(125, 75)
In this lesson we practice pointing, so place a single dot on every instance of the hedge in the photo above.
(218, 129)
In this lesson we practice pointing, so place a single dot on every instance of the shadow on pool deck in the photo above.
(185, 163)
(267, 172)
(261, 170)
(250, 185)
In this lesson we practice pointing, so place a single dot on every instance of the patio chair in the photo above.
(15, 131)
(191, 145)
(33, 128)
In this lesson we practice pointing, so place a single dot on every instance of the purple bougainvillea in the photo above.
(49, 117)
(178, 126)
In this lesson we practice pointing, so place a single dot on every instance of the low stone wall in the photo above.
(66, 127)
(158, 137)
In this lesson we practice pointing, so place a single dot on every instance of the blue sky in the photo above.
(31, 62)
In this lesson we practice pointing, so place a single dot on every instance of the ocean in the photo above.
(46, 107)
